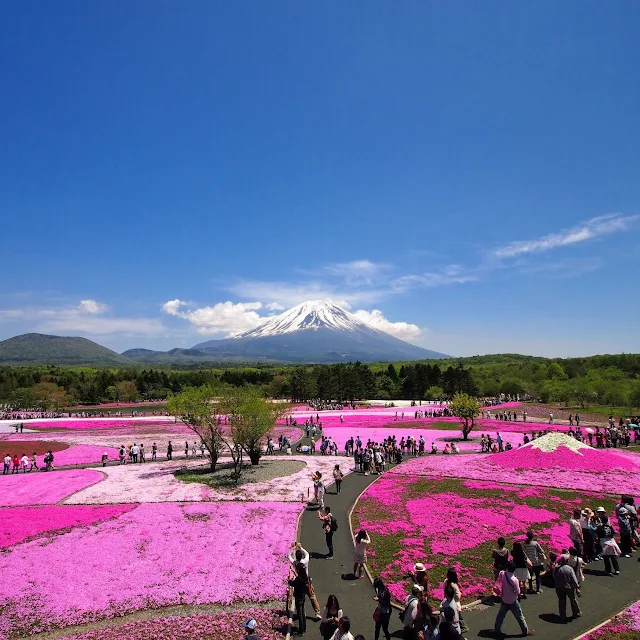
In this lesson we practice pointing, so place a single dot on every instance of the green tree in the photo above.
(127, 390)
(111, 393)
(196, 407)
(434, 393)
(634, 396)
(465, 407)
(556, 372)
(252, 419)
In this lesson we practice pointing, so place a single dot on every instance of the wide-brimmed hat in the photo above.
(418, 566)
(601, 510)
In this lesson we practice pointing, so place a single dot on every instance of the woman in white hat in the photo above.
(419, 577)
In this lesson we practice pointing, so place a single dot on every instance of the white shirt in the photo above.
(337, 635)
(305, 558)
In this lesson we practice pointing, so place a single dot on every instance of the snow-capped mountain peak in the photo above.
(310, 315)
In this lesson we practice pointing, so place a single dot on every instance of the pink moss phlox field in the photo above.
(563, 458)
(39, 487)
(80, 424)
(487, 467)
(18, 524)
(454, 524)
(222, 625)
(83, 454)
(377, 434)
(155, 482)
(155, 555)
(626, 622)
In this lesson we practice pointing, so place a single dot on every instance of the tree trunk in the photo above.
(466, 430)
(254, 456)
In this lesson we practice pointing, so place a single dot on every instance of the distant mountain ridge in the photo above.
(315, 331)
(38, 348)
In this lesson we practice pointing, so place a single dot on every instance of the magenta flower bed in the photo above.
(625, 625)
(340, 435)
(152, 556)
(75, 424)
(223, 625)
(602, 471)
(44, 488)
(83, 454)
(18, 524)
(451, 522)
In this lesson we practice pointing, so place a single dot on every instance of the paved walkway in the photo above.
(603, 596)
(335, 576)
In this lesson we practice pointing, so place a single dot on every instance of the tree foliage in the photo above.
(467, 408)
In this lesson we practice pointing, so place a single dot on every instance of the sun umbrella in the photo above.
(589, 430)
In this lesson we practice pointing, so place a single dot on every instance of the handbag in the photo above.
(377, 615)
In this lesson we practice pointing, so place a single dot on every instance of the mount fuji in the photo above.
(315, 331)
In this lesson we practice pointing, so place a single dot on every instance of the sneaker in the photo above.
(317, 617)
(329, 558)
(617, 573)
(539, 591)
(578, 615)
(626, 555)
(609, 573)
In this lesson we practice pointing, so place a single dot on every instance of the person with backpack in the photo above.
(610, 549)
(507, 588)
(409, 615)
(330, 526)
(566, 585)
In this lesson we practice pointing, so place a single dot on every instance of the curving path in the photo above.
(602, 597)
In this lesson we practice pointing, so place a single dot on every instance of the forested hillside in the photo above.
(603, 380)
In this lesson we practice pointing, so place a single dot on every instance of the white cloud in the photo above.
(402, 330)
(451, 274)
(589, 230)
(92, 307)
(275, 306)
(86, 317)
(357, 272)
(225, 317)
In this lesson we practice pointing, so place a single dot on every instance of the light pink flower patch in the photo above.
(153, 556)
(155, 482)
(44, 487)
(18, 524)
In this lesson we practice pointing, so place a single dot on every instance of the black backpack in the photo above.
(334, 524)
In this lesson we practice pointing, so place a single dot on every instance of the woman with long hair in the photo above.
(362, 541)
(330, 619)
(382, 615)
(522, 563)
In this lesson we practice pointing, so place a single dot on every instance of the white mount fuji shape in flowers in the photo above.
(316, 331)
(551, 441)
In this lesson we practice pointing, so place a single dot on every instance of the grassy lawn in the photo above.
(222, 478)
(475, 565)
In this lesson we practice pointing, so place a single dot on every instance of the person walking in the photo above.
(169, 451)
(141, 453)
(329, 526)
(135, 450)
(536, 556)
(337, 478)
(382, 614)
(507, 588)
(34, 462)
(7, 464)
(566, 587)
(362, 541)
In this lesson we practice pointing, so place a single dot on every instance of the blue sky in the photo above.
(462, 174)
